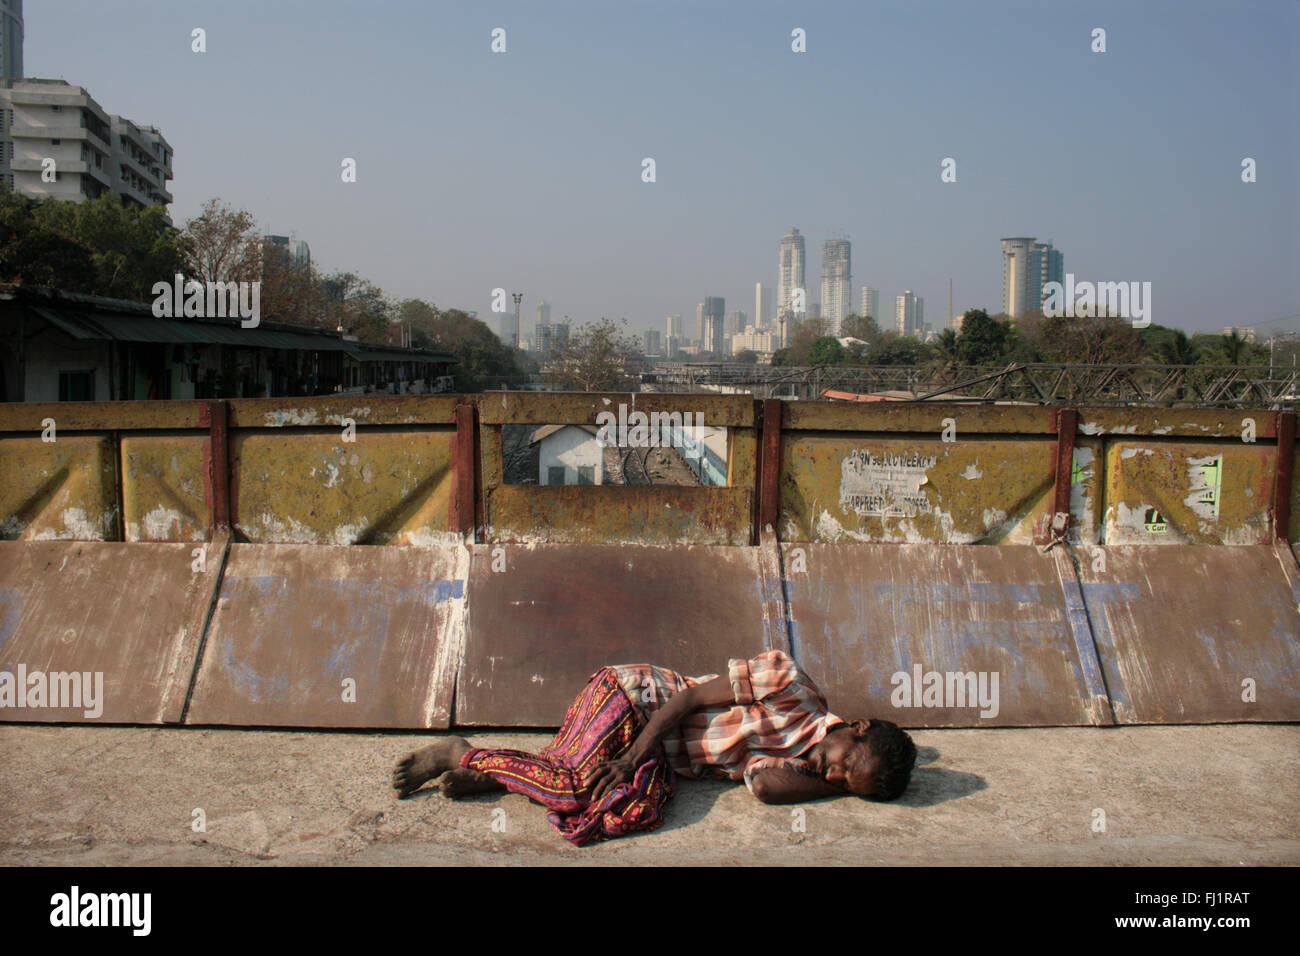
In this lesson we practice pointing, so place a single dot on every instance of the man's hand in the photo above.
(607, 776)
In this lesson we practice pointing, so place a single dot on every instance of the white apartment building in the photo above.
(909, 315)
(870, 304)
(93, 152)
(791, 270)
(837, 287)
(753, 340)
(762, 306)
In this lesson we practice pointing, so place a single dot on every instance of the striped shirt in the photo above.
(778, 714)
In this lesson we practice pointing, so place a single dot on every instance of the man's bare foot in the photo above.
(462, 781)
(420, 766)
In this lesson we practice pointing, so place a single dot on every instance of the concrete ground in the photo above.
(1216, 795)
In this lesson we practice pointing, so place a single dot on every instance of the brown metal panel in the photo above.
(463, 472)
(864, 619)
(1063, 467)
(1283, 489)
(294, 623)
(769, 487)
(574, 408)
(100, 416)
(332, 410)
(1180, 628)
(918, 417)
(544, 617)
(131, 613)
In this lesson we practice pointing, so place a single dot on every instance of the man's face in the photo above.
(845, 763)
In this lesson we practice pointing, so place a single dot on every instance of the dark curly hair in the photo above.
(891, 743)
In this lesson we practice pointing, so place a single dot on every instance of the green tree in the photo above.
(1167, 346)
(32, 253)
(982, 339)
(895, 349)
(596, 357)
(224, 244)
(800, 340)
(860, 327)
(945, 349)
(99, 247)
(826, 351)
(132, 247)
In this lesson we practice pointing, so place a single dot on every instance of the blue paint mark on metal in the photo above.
(258, 586)
(248, 681)
(984, 592)
(1076, 614)
(1110, 592)
(11, 612)
(341, 657)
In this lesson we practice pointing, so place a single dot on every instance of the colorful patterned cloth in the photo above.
(778, 714)
(599, 726)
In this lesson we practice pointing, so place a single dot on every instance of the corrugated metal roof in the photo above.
(86, 324)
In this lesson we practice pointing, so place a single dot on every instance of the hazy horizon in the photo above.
(522, 169)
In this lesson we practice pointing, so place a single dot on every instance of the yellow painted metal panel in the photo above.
(855, 488)
(309, 486)
(65, 489)
(1174, 492)
(163, 495)
(919, 417)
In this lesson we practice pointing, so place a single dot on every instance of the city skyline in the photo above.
(536, 183)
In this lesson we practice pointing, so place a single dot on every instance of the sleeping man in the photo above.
(612, 767)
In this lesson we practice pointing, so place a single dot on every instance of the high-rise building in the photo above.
(1027, 266)
(93, 152)
(762, 306)
(652, 342)
(543, 313)
(11, 40)
(736, 320)
(674, 330)
(712, 318)
(791, 273)
(1051, 267)
(909, 315)
(870, 303)
(753, 340)
(297, 251)
(837, 288)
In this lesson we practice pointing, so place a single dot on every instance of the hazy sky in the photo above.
(523, 169)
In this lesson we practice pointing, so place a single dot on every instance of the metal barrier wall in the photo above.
(361, 562)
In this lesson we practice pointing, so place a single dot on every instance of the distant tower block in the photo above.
(518, 297)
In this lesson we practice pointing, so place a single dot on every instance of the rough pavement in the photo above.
(1214, 795)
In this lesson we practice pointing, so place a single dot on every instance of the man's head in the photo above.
(872, 758)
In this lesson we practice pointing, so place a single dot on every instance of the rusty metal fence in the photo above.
(361, 562)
